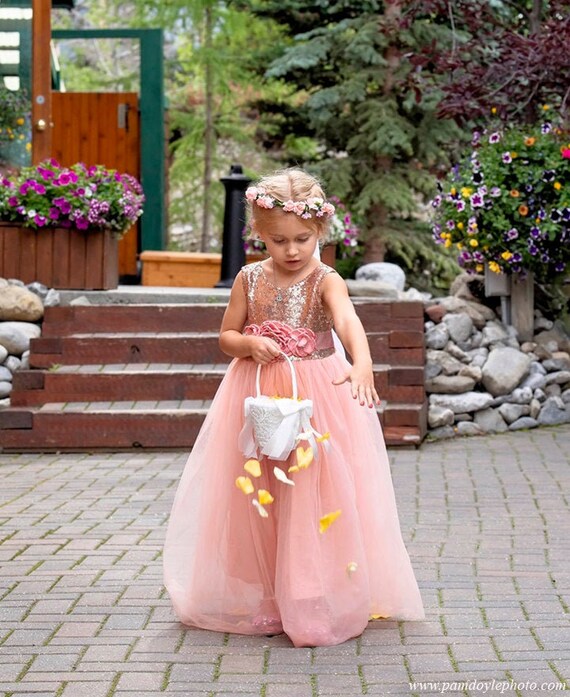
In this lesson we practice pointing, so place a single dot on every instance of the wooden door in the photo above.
(100, 128)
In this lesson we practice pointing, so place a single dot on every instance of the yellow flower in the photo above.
(253, 467)
(474, 243)
(244, 484)
(486, 248)
(493, 110)
(466, 191)
(324, 437)
(545, 107)
(494, 267)
(447, 244)
(459, 245)
(327, 520)
(453, 191)
(460, 226)
(264, 497)
(514, 154)
(304, 457)
(479, 268)
(28, 146)
(506, 255)
(557, 186)
(20, 121)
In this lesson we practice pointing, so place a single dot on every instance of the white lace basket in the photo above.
(273, 425)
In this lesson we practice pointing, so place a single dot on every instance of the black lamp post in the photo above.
(233, 253)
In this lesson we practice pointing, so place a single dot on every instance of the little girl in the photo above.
(320, 552)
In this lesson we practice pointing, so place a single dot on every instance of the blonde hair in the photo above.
(284, 185)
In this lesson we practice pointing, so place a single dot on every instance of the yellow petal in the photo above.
(264, 497)
(351, 568)
(327, 520)
(378, 617)
(262, 512)
(304, 457)
(244, 483)
(324, 437)
(282, 477)
(293, 468)
(253, 467)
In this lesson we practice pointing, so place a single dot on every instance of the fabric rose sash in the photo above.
(298, 342)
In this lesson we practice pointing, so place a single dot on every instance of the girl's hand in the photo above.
(362, 385)
(262, 349)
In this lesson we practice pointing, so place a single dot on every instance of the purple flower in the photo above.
(548, 175)
(495, 137)
(512, 234)
(476, 137)
(535, 233)
(40, 189)
(545, 258)
(63, 180)
(533, 249)
(495, 192)
(566, 214)
(516, 258)
(12, 201)
(559, 266)
(478, 257)
(506, 158)
(477, 200)
(54, 213)
(39, 220)
(436, 202)
(81, 222)
(24, 188)
(450, 224)
(546, 127)
(460, 205)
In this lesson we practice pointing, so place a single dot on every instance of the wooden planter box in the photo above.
(66, 259)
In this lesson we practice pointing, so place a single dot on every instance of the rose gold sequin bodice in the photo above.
(299, 305)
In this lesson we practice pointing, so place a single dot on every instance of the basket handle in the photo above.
(293, 377)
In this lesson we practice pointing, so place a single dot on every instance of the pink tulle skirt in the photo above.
(228, 569)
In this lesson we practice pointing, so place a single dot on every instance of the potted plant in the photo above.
(60, 225)
(506, 207)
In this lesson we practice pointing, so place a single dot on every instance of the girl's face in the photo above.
(290, 243)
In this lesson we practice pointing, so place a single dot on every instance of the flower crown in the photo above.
(304, 209)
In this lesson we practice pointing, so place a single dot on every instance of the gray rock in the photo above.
(459, 325)
(15, 336)
(413, 294)
(480, 314)
(512, 343)
(461, 285)
(494, 331)
(451, 384)
(5, 388)
(478, 356)
(448, 364)
(542, 323)
(463, 417)
(38, 289)
(3, 283)
(553, 412)
(535, 407)
(53, 298)
(456, 352)
(431, 370)
(528, 346)
(536, 367)
(468, 428)
(554, 339)
(437, 337)
(560, 377)
(442, 433)
(4, 403)
(16, 282)
(553, 390)
(5, 374)
(472, 371)
(560, 361)
(459, 403)
(476, 338)
(384, 272)
(504, 370)
(439, 416)
(540, 395)
(490, 421)
(12, 363)
(565, 396)
(3, 353)
(25, 361)
(534, 381)
(512, 412)
(20, 305)
(359, 288)
(522, 395)
(523, 423)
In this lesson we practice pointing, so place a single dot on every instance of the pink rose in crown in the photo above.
(301, 342)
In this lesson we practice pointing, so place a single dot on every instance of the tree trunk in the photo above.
(375, 242)
(208, 130)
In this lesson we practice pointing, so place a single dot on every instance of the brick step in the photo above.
(85, 383)
(188, 347)
(205, 317)
(96, 425)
